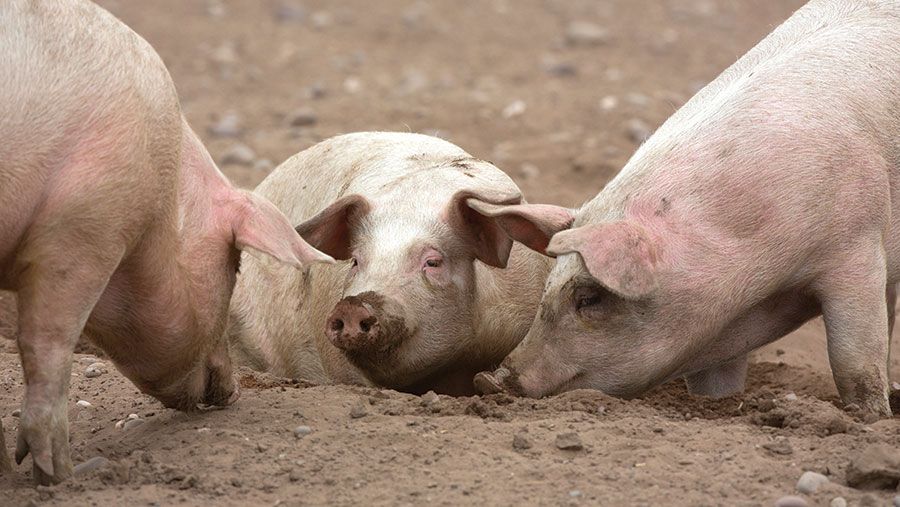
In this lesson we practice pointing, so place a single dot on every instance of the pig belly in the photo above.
(767, 321)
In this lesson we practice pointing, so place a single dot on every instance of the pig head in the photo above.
(407, 303)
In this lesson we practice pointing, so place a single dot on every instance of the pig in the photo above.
(428, 292)
(769, 198)
(115, 221)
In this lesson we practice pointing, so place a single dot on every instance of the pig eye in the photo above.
(433, 263)
(353, 262)
(587, 299)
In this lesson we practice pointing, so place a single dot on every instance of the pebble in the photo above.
(95, 463)
(239, 154)
(838, 501)
(609, 102)
(895, 386)
(302, 431)
(316, 91)
(82, 403)
(302, 117)
(575, 493)
(94, 370)
(791, 501)
(88, 360)
(359, 410)
(569, 442)
(559, 68)
(17, 412)
(897, 501)
(876, 467)
(229, 125)
(352, 85)
(514, 108)
(287, 12)
(585, 33)
(790, 397)
(809, 482)
(521, 442)
(638, 130)
(132, 423)
(430, 398)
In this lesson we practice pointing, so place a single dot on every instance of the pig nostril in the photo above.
(364, 325)
(337, 325)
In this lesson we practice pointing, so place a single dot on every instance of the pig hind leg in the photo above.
(856, 315)
(62, 269)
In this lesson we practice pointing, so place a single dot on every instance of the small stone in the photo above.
(895, 386)
(287, 12)
(791, 501)
(609, 102)
(359, 410)
(203, 430)
(316, 91)
(239, 154)
(83, 404)
(90, 465)
(781, 446)
(584, 33)
(261, 447)
(430, 398)
(897, 501)
(575, 493)
(521, 442)
(133, 423)
(839, 501)
(90, 372)
(229, 125)
(302, 117)
(876, 467)
(132, 416)
(294, 476)
(569, 442)
(559, 68)
(809, 482)
(352, 85)
(514, 108)
(321, 19)
(638, 130)
(17, 412)
(302, 431)
(790, 397)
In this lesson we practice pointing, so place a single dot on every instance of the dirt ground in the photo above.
(558, 104)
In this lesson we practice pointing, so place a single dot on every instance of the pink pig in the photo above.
(768, 199)
(114, 221)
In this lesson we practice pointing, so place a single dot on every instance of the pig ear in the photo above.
(530, 224)
(490, 243)
(330, 230)
(620, 255)
(259, 226)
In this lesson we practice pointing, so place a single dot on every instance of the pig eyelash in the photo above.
(433, 263)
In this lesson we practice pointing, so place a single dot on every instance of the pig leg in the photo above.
(62, 275)
(720, 380)
(856, 322)
(5, 464)
(891, 299)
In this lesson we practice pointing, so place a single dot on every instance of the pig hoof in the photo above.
(486, 383)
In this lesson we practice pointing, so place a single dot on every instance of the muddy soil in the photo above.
(558, 94)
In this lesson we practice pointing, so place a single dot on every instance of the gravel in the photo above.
(838, 501)
(302, 431)
(133, 423)
(809, 482)
(521, 442)
(791, 501)
(569, 442)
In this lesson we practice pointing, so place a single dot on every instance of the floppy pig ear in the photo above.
(530, 224)
(330, 230)
(620, 255)
(259, 226)
(490, 243)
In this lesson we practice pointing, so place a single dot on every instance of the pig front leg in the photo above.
(62, 277)
(720, 380)
(855, 304)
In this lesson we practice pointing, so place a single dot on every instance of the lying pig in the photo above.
(114, 221)
(764, 201)
(422, 300)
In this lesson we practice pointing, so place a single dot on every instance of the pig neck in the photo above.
(171, 292)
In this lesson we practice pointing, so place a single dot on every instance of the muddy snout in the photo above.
(356, 325)
(500, 380)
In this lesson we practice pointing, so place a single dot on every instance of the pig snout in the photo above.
(353, 326)
(500, 380)
(359, 325)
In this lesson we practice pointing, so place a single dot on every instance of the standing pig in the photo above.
(114, 221)
(423, 301)
(769, 198)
